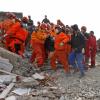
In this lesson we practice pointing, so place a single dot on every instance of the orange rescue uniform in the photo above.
(60, 51)
(38, 39)
(16, 35)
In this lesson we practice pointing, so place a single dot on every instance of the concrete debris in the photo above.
(53, 88)
(5, 64)
(38, 76)
(9, 55)
(22, 91)
(6, 79)
(39, 92)
(25, 83)
(62, 98)
(24, 98)
(29, 81)
(11, 98)
(79, 98)
(6, 91)
(20, 66)
(2, 87)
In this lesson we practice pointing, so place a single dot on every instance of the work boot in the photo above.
(68, 74)
(92, 66)
(42, 68)
(75, 70)
(85, 68)
(82, 75)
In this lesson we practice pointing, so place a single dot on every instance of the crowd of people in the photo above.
(67, 45)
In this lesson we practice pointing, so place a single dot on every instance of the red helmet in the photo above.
(48, 26)
(43, 26)
(25, 19)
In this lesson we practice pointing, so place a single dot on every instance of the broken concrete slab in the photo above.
(5, 64)
(29, 81)
(2, 87)
(11, 98)
(38, 76)
(53, 88)
(6, 91)
(24, 98)
(9, 55)
(21, 91)
(20, 66)
(6, 78)
(40, 92)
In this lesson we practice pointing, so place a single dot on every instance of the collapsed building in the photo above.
(18, 15)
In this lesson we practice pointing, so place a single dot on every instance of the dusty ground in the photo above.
(72, 87)
(68, 88)
(86, 88)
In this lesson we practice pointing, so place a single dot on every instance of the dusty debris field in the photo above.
(25, 83)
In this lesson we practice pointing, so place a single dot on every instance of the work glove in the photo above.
(83, 50)
(61, 44)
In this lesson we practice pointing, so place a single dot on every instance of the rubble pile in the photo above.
(19, 80)
(39, 85)
(82, 90)
(20, 66)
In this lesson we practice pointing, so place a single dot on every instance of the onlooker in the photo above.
(30, 28)
(92, 48)
(46, 20)
(78, 43)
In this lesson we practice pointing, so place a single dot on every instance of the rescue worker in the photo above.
(92, 49)
(8, 22)
(38, 25)
(24, 22)
(60, 51)
(17, 36)
(60, 24)
(6, 25)
(37, 41)
(52, 29)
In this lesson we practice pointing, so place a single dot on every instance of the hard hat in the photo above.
(24, 19)
(43, 26)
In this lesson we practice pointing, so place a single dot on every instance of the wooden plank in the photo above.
(3, 71)
(6, 91)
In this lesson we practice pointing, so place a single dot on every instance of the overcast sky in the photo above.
(81, 12)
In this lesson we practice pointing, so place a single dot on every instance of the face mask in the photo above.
(13, 20)
(24, 25)
(57, 31)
